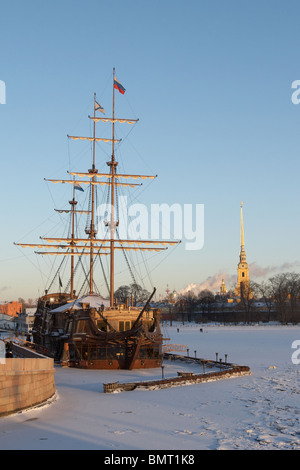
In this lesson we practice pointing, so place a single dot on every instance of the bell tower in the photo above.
(223, 289)
(243, 268)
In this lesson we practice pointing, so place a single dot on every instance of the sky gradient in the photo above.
(211, 84)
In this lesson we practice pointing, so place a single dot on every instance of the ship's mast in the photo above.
(73, 204)
(112, 165)
(92, 228)
(77, 246)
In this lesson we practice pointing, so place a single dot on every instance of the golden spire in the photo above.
(243, 268)
(242, 229)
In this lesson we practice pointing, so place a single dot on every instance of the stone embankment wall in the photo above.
(25, 382)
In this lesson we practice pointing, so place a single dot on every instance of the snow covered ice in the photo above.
(259, 411)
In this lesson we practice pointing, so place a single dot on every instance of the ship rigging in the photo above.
(92, 331)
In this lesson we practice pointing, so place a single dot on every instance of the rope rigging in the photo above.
(56, 274)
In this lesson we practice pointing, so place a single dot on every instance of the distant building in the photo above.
(26, 320)
(171, 297)
(11, 308)
(7, 322)
(223, 289)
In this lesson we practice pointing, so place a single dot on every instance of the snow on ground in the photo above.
(260, 411)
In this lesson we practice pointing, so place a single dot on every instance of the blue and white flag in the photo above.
(98, 107)
(77, 186)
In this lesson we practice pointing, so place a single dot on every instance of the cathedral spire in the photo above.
(243, 268)
(242, 253)
(242, 229)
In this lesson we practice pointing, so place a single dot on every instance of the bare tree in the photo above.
(246, 300)
(263, 290)
(134, 290)
(187, 304)
(122, 293)
(293, 286)
(207, 300)
(285, 291)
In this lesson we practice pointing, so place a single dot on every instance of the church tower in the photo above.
(223, 289)
(243, 268)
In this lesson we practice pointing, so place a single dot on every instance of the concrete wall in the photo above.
(25, 382)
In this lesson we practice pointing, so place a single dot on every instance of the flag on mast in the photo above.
(118, 86)
(77, 186)
(98, 107)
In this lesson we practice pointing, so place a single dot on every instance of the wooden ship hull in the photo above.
(83, 335)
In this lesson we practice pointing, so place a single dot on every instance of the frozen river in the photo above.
(260, 411)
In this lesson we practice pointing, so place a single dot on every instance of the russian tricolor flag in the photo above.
(118, 86)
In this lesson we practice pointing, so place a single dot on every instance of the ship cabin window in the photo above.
(148, 353)
(124, 325)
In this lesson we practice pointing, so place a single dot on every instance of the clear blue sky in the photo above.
(210, 82)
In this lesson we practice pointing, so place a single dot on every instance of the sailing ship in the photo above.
(91, 331)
